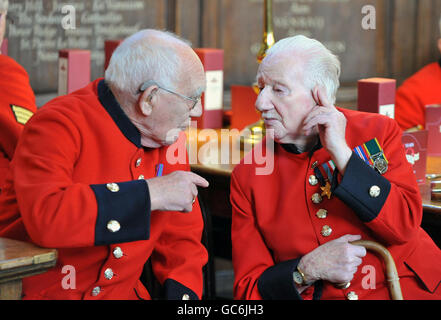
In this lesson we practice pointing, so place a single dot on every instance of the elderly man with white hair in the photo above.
(91, 178)
(17, 101)
(339, 176)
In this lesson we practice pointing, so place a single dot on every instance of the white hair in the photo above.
(320, 66)
(4, 5)
(147, 55)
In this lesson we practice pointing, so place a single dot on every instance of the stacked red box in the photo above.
(212, 99)
(415, 145)
(377, 95)
(109, 48)
(4, 47)
(433, 125)
(244, 113)
(73, 70)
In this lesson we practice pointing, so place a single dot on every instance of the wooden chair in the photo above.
(19, 260)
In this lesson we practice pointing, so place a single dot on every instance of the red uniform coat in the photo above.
(17, 105)
(275, 222)
(420, 90)
(78, 166)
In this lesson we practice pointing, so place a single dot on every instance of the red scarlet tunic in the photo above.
(17, 105)
(420, 90)
(275, 221)
(76, 170)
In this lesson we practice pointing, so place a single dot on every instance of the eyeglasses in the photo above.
(150, 83)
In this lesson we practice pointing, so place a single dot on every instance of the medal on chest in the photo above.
(326, 176)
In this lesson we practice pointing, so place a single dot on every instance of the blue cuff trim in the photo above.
(130, 207)
(176, 291)
(276, 282)
(354, 189)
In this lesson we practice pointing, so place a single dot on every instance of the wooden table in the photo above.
(19, 260)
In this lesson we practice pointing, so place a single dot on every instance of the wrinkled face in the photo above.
(171, 113)
(284, 101)
(2, 25)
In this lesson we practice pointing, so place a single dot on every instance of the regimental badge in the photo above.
(372, 153)
(22, 115)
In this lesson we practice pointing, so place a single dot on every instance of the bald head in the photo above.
(150, 55)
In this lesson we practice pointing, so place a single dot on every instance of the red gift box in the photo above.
(212, 99)
(377, 95)
(4, 47)
(433, 125)
(244, 113)
(109, 48)
(73, 70)
(415, 145)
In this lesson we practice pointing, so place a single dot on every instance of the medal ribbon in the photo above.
(370, 151)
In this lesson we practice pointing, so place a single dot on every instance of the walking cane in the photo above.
(391, 269)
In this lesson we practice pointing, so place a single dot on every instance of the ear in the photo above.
(439, 45)
(147, 100)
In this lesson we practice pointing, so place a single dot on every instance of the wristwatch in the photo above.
(299, 277)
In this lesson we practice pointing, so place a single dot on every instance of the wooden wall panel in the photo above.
(187, 20)
(404, 39)
(37, 34)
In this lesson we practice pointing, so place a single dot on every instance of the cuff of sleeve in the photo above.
(127, 207)
(276, 282)
(176, 291)
(356, 186)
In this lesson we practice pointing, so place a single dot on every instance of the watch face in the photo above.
(297, 277)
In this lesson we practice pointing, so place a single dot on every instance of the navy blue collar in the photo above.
(113, 108)
(439, 62)
(292, 148)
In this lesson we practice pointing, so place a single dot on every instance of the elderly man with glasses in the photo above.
(92, 179)
(17, 101)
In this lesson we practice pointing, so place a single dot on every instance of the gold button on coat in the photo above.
(316, 198)
(352, 296)
(141, 177)
(138, 162)
(113, 187)
(374, 191)
(326, 231)
(118, 253)
(313, 180)
(322, 214)
(108, 274)
(113, 226)
(185, 297)
(96, 291)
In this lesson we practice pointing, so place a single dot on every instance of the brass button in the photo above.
(352, 295)
(96, 291)
(322, 214)
(141, 177)
(113, 187)
(316, 198)
(313, 180)
(138, 162)
(108, 274)
(374, 191)
(185, 297)
(118, 253)
(326, 231)
(113, 226)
